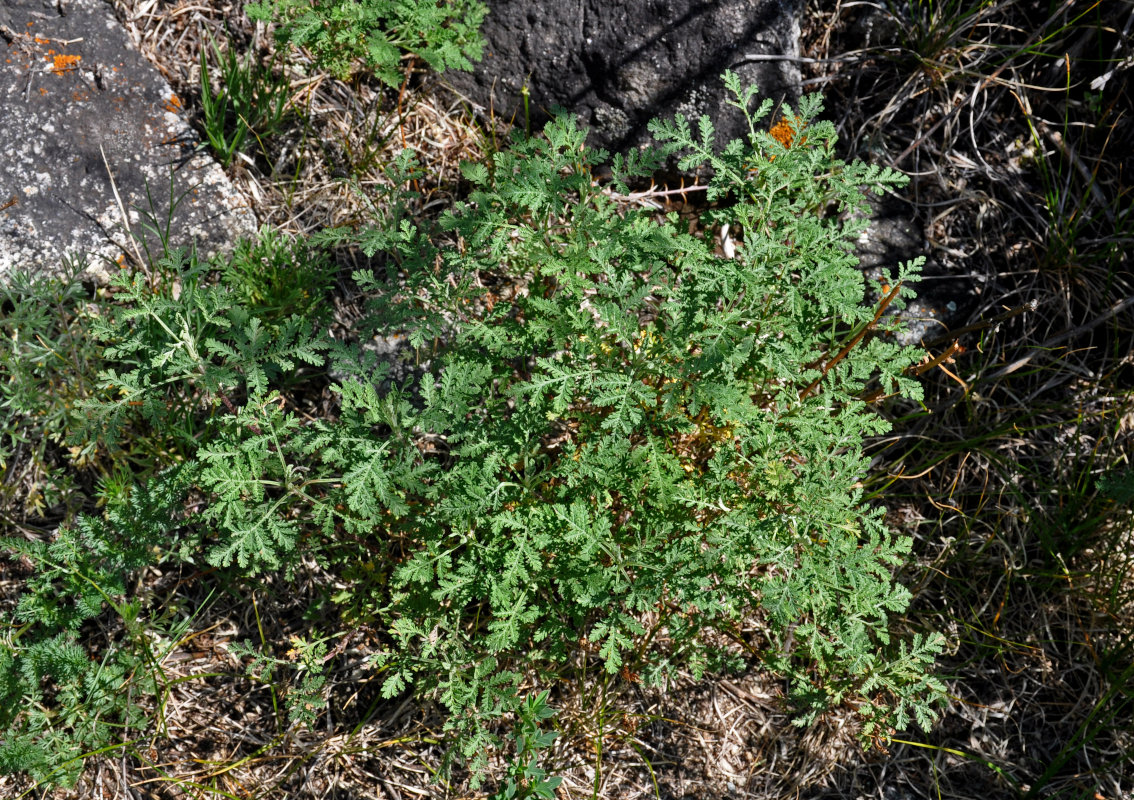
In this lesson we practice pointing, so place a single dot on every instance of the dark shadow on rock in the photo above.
(895, 237)
(619, 65)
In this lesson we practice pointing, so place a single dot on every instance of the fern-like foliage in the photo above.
(62, 693)
(182, 348)
(339, 32)
(177, 347)
(620, 446)
(47, 363)
(635, 439)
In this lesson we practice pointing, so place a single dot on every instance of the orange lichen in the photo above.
(62, 62)
(39, 40)
(173, 104)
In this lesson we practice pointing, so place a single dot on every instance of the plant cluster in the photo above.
(174, 344)
(634, 439)
(340, 33)
(249, 100)
(45, 369)
(620, 446)
(67, 693)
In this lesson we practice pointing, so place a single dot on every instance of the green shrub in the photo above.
(619, 446)
(638, 441)
(47, 366)
(339, 32)
(277, 277)
(623, 442)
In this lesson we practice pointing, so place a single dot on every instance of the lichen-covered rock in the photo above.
(85, 116)
(617, 65)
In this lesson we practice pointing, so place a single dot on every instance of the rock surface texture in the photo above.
(79, 104)
(617, 64)
(894, 237)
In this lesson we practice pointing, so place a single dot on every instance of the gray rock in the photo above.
(892, 237)
(617, 65)
(78, 104)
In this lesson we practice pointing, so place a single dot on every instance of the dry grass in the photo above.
(1022, 561)
(297, 180)
(1018, 180)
